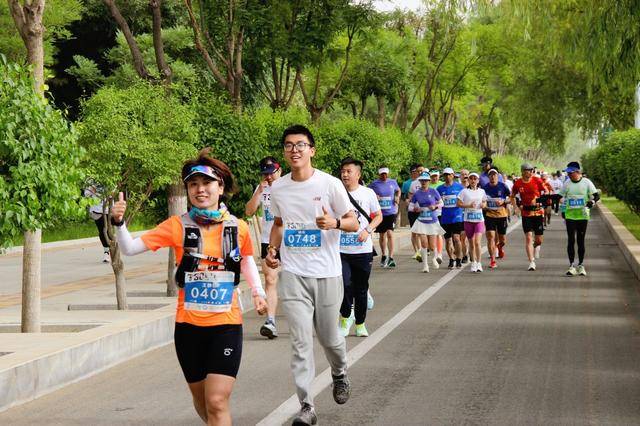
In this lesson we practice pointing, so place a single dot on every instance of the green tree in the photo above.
(136, 140)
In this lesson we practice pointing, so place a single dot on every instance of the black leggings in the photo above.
(555, 202)
(579, 228)
(356, 269)
(101, 231)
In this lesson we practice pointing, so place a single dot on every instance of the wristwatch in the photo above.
(368, 229)
(338, 223)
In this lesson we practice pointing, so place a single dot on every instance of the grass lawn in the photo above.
(628, 218)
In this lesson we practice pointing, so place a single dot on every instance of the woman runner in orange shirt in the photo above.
(208, 330)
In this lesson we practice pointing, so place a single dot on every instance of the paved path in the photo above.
(503, 347)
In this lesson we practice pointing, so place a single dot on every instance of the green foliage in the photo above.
(613, 165)
(39, 158)
(86, 72)
(136, 140)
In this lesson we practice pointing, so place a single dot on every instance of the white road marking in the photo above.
(291, 406)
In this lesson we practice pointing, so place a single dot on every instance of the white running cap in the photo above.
(447, 170)
(382, 170)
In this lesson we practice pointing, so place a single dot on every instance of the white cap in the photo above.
(424, 176)
(382, 170)
(474, 174)
(434, 173)
(492, 171)
(447, 170)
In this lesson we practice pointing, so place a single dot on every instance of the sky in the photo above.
(387, 5)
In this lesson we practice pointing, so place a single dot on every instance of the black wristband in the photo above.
(114, 223)
(338, 223)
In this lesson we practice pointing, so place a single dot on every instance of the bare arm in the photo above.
(252, 205)
(275, 239)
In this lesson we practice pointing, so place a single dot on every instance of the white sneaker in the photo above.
(425, 260)
(435, 263)
(370, 301)
(478, 267)
(571, 272)
(582, 271)
(532, 266)
(106, 258)
(473, 267)
(536, 252)
(439, 258)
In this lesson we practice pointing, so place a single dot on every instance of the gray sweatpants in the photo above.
(312, 303)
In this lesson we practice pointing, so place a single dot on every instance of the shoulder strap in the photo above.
(230, 249)
(360, 209)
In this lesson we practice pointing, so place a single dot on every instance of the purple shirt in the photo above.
(426, 199)
(386, 192)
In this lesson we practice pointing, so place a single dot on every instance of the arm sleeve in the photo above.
(249, 271)
(128, 245)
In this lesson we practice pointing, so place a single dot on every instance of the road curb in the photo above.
(62, 244)
(628, 244)
(29, 374)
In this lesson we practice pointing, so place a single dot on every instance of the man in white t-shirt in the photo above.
(356, 248)
(270, 170)
(310, 208)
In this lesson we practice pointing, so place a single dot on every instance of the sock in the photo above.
(271, 320)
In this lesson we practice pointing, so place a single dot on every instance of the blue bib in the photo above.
(208, 291)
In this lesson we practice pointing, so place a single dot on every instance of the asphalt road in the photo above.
(504, 347)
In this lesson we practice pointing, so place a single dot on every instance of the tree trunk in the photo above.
(118, 269)
(431, 142)
(315, 114)
(177, 203)
(31, 267)
(381, 113)
(158, 46)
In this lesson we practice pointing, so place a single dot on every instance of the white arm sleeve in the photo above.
(128, 245)
(250, 273)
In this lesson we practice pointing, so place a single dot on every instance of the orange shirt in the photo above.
(169, 234)
(529, 192)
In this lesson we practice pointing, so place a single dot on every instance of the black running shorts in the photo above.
(533, 224)
(413, 216)
(208, 350)
(496, 224)
(388, 223)
(451, 229)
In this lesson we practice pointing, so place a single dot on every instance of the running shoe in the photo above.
(370, 301)
(435, 263)
(106, 258)
(439, 259)
(361, 330)
(500, 251)
(425, 266)
(465, 259)
(571, 272)
(391, 263)
(536, 251)
(345, 325)
(383, 262)
(458, 263)
(582, 271)
(532, 266)
(417, 256)
(478, 267)
(451, 263)
(493, 264)
(269, 330)
(341, 388)
(306, 416)
(473, 267)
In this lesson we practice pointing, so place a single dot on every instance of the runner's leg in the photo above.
(571, 240)
(347, 280)
(270, 287)
(217, 390)
(581, 229)
(329, 292)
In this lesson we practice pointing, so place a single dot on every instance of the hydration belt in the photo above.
(230, 260)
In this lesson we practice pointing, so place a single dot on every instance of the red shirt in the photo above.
(529, 191)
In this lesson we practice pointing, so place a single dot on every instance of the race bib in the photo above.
(268, 217)
(208, 291)
(350, 239)
(473, 215)
(492, 203)
(426, 214)
(450, 200)
(302, 237)
(575, 202)
(386, 203)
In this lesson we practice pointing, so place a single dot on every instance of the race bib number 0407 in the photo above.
(208, 291)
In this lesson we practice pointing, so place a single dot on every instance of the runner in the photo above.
(529, 188)
(409, 187)
(473, 199)
(212, 247)
(487, 164)
(464, 181)
(434, 184)
(451, 219)
(426, 202)
(495, 216)
(548, 200)
(579, 194)
(508, 180)
(356, 248)
(556, 185)
(270, 171)
(388, 193)
(310, 208)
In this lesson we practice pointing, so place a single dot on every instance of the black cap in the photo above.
(269, 165)
(486, 160)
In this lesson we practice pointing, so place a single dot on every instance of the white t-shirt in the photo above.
(509, 184)
(267, 215)
(368, 201)
(476, 196)
(556, 184)
(413, 188)
(306, 250)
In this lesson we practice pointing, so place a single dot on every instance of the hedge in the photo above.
(613, 166)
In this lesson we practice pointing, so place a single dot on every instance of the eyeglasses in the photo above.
(299, 146)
